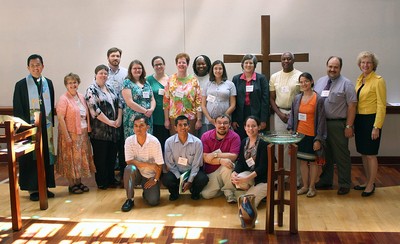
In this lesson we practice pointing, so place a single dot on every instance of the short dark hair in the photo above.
(141, 116)
(224, 74)
(308, 76)
(224, 116)
(34, 56)
(251, 57)
(154, 59)
(338, 58)
(113, 50)
(142, 78)
(255, 118)
(206, 59)
(72, 76)
(181, 117)
(101, 67)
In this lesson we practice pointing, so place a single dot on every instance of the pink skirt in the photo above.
(75, 161)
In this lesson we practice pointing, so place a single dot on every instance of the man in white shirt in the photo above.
(283, 87)
(144, 161)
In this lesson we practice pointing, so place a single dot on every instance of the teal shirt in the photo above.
(158, 114)
(137, 97)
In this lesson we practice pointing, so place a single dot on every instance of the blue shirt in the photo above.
(341, 93)
(192, 150)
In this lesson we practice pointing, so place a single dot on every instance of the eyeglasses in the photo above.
(158, 65)
(223, 123)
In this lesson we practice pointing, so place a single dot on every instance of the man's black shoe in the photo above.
(321, 186)
(34, 196)
(195, 196)
(343, 191)
(173, 197)
(50, 194)
(127, 206)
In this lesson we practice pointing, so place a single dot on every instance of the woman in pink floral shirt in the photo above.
(182, 96)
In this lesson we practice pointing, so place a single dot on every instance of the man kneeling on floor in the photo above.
(184, 158)
(144, 161)
(221, 148)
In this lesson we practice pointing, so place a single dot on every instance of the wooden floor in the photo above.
(95, 217)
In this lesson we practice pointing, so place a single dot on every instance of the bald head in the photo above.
(287, 61)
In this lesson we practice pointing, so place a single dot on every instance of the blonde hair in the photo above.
(368, 54)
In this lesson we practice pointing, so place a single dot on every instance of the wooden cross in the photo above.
(265, 57)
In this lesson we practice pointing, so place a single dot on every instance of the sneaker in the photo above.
(231, 199)
(127, 206)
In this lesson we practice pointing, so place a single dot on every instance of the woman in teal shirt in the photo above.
(157, 82)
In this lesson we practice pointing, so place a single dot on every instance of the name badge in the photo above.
(250, 162)
(210, 98)
(161, 92)
(302, 117)
(285, 89)
(249, 88)
(146, 94)
(325, 93)
(179, 94)
(182, 161)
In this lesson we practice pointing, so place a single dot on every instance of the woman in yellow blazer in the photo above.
(371, 111)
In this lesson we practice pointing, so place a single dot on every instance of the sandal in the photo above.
(311, 192)
(302, 191)
(83, 187)
(75, 189)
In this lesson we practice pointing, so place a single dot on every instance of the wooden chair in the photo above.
(15, 149)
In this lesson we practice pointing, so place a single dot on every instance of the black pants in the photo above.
(172, 183)
(104, 153)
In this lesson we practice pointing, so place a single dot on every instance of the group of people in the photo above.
(159, 128)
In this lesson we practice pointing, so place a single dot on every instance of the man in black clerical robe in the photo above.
(32, 94)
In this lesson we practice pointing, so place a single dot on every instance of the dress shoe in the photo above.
(127, 206)
(367, 194)
(173, 197)
(323, 186)
(359, 188)
(102, 187)
(195, 196)
(50, 194)
(343, 191)
(34, 196)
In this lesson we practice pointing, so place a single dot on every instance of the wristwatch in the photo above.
(215, 155)
(155, 179)
(349, 126)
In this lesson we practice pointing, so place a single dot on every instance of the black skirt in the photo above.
(363, 125)
(305, 149)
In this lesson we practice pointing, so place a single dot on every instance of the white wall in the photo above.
(74, 35)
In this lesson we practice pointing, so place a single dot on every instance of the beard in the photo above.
(222, 132)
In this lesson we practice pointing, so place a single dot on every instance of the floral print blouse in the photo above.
(182, 96)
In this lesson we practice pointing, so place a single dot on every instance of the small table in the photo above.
(280, 139)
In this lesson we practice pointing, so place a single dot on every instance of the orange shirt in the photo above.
(306, 126)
